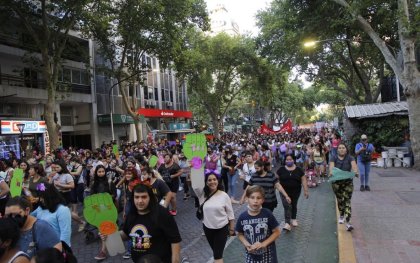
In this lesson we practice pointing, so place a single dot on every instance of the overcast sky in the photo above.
(242, 11)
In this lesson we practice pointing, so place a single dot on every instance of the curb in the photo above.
(346, 251)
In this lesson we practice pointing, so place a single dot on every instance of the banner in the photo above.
(287, 127)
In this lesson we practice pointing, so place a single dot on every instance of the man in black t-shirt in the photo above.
(170, 172)
(150, 228)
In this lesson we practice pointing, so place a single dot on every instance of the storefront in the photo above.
(171, 124)
(34, 136)
(121, 124)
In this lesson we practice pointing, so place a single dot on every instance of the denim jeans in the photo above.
(364, 169)
(232, 183)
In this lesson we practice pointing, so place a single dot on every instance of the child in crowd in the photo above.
(258, 229)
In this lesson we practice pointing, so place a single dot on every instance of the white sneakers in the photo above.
(341, 220)
(287, 227)
(349, 227)
(294, 223)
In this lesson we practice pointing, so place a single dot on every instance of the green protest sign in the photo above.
(16, 183)
(115, 151)
(99, 208)
(153, 161)
(195, 146)
(338, 174)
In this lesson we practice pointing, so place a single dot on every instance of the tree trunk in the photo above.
(215, 123)
(49, 109)
(414, 118)
(138, 129)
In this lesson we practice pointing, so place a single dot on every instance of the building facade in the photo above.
(83, 101)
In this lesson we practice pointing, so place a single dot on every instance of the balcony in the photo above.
(17, 81)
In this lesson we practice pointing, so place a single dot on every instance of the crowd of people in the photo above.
(55, 185)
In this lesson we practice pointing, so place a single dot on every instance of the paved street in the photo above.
(313, 241)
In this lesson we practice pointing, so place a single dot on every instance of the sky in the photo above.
(242, 11)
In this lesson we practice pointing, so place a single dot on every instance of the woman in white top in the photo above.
(218, 220)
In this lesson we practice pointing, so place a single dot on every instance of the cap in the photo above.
(363, 137)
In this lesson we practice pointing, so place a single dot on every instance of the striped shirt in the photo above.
(268, 183)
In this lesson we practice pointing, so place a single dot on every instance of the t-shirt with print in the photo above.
(248, 171)
(257, 229)
(152, 236)
(45, 237)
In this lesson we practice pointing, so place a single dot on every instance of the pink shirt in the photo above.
(335, 143)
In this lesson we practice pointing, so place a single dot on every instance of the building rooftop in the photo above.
(376, 110)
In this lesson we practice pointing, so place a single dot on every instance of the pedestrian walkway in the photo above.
(387, 219)
(313, 241)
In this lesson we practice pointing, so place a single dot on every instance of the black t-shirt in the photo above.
(344, 164)
(152, 237)
(290, 179)
(166, 172)
(160, 189)
(232, 161)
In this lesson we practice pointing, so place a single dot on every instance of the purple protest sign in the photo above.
(196, 162)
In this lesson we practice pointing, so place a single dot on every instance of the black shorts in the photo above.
(77, 194)
(174, 186)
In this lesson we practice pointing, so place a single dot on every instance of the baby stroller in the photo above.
(311, 177)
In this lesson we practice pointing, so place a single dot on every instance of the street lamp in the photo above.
(21, 127)
(313, 43)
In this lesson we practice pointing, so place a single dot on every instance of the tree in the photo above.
(408, 17)
(216, 69)
(48, 24)
(128, 30)
(350, 66)
(393, 26)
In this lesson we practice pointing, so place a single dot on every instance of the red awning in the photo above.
(157, 113)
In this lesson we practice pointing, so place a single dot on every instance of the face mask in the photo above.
(20, 220)
(289, 164)
(254, 210)
(259, 172)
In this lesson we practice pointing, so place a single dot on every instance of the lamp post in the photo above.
(21, 127)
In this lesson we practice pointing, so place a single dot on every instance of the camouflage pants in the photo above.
(343, 191)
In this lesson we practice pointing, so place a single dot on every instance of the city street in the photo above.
(313, 241)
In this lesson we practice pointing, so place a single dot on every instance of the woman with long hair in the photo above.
(218, 220)
(52, 209)
(101, 184)
(37, 177)
(343, 189)
(291, 178)
(63, 181)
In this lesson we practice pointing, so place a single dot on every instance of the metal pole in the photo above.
(111, 111)
(397, 84)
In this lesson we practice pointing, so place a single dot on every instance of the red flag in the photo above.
(287, 127)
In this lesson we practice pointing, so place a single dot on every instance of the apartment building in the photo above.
(83, 101)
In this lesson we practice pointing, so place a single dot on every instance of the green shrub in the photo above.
(385, 131)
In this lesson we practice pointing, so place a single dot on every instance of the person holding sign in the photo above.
(101, 184)
(343, 189)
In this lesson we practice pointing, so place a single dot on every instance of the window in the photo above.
(67, 75)
(66, 113)
(75, 76)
